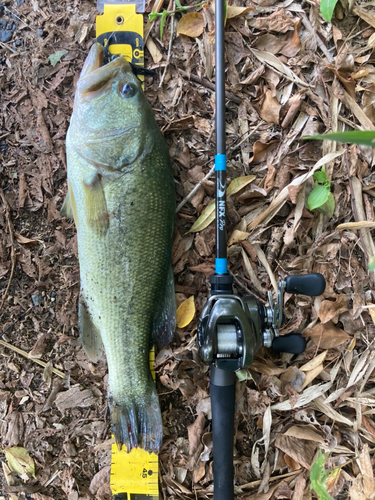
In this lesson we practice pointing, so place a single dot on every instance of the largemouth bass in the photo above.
(121, 196)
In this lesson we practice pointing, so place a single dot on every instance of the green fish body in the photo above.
(121, 196)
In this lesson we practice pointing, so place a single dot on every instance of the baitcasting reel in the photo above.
(232, 329)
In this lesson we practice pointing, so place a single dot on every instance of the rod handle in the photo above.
(222, 391)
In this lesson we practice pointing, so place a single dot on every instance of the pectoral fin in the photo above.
(96, 213)
(165, 318)
(90, 335)
(69, 208)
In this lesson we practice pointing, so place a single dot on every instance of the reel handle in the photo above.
(312, 284)
(292, 343)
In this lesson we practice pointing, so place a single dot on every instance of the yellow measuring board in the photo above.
(120, 29)
(134, 475)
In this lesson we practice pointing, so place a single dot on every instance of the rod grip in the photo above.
(222, 390)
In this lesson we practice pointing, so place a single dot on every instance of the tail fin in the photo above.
(137, 425)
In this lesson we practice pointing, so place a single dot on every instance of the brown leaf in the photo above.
(75, 397)
(327, 336)
(367, 472)
(261, 150)
(191, 24)
(278, 21)
(237, 11)
(195, 432)
(270, 110)
(301, 451)
(23, 240)
(39, 346)
(293, 43)
(307, 432)
(100, 478)
(270, 43)
(23, 192)
(328, 309)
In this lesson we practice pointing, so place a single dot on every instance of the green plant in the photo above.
(326, 9)
(318, 476)
(360, 137)
(321, 197)
(179, 8)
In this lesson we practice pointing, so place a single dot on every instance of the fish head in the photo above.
(111, 116)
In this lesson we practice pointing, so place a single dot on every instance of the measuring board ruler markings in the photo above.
(134, 475)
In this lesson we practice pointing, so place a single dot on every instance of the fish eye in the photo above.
(128, 90)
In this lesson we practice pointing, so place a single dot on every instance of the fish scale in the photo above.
(121, 195)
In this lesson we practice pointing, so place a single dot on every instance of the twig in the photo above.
(233, 148)
(169, 51)
(322, 47)
(26, 355)
(194, 190)
(245, 289)
(326, 93)
(354, 205)
(209, 85)
(275, 478)
(12, 250)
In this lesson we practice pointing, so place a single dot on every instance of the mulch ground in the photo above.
(289, 74)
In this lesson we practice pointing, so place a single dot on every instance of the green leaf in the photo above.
(360, 137)
(328, 207)
(20, 462)
(205, 218)
(318, 476)
(320, 177)
(56, 57)
(371, 264)
(239, 183)
(318, 196)
(162, 22)
(153, 16)
(326, 9)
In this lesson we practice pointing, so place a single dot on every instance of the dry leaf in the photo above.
(186, 312)
(191, 24)
(327, 336)
(301, 451)
(312, 374)
(307, 432)
(313, 363)
(328, 309)
(367, 472)
(20, 462)
(237, 236)
(195, 431)
(100, 478)
(261, 150)
(237, 11)
(270, 110)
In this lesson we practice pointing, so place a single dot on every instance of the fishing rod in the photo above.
(232, 329)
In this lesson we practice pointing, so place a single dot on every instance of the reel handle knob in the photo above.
(312, 284)
(292, 343)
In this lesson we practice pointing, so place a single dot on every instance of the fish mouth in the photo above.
(95, 76)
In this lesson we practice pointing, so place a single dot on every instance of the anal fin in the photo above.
(165, 319)
(90, 335)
